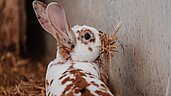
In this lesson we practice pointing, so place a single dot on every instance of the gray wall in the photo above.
(144, 69)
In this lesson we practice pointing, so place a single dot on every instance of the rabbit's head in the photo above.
(88, 44)
(80, 43)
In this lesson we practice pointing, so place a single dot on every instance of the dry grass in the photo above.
(21, 77)
(109, 44)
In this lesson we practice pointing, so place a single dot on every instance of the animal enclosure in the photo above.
(142, 69)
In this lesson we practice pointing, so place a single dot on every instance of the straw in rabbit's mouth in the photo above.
(108, 44)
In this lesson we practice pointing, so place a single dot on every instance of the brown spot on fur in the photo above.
(92, 40)
(88, 73)
(77, 91)
(68, 87)
(65, 72)
(78, 31)
(90, 49)
(103, 85)
(85, 43)
(67, 79)
(79, 84)
(91, 76)
(104, 89)
(87, 30)
(49, 94)
(85, 61)
(95, 68)
(69, 42)
(77, 72)
(38, 17)
(62, 76)
(100, 32)
(65, 52)
(72, 46)
(92, 82)
(51, 81)
(71, 66)
(70, 94)
(73, 63)
(60, 62)
(101, 93)
(78, 38)
(53, 65)
(47, 83)
(85, 92)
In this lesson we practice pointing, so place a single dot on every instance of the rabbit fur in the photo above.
(72, 72)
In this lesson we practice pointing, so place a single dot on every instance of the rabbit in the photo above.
(72, 72)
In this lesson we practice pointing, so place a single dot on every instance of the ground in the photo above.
(21, 77)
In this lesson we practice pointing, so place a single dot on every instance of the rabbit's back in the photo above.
(70, 79)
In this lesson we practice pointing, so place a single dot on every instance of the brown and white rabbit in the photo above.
(72, 72)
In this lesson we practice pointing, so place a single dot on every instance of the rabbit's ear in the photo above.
(40, 10)
(58, 20)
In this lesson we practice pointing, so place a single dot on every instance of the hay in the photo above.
(21, 77)
(109, 45)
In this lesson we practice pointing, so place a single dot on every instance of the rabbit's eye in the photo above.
(87, 36)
